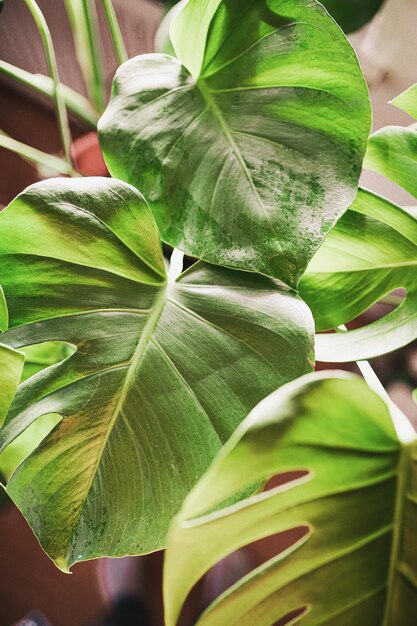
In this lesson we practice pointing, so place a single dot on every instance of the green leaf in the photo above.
(248, 161)
(4, 313)
(162, 375)
(352, 14)
(392, 151)
(11, 366)
(407, 101)
(371, 252)
(351, 513)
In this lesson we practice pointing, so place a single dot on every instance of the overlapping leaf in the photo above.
(351, 558)
(249, 146)
(161, 376)
(370, 252)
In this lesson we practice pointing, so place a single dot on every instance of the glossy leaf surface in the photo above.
(161, 376)
(249, 147)
(371, 252)
(352, 557)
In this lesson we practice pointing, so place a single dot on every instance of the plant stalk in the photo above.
(35, 156)
(60, 108)
(115, 32)
(74, 101)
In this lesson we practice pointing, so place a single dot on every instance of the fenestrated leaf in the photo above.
(352, 14)
(251, 150)
(354, 513)
(371, 252)
(162, 375)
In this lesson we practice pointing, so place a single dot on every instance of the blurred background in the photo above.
(126, 592)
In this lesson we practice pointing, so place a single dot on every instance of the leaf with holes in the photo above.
(248, 147)
(162, 372)
(348, 522)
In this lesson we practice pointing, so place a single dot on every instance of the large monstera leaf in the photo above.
(248, 146)
(345, 513)
(162, 372)
(371, 252)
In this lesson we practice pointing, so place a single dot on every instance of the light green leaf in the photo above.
(371, 252)
(36, 358)
(4, 313)
(249, 161)
(11, 366)
(392, 151)
(162, 375)
(351, 555)
(352, 14)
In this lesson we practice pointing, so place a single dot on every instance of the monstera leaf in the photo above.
(249, 145)
(347, 518)
(352, 14)
(11, 365)
(161, 375)
(371, 251)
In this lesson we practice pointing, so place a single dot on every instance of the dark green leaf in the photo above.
(251, 150)
(162, 373)
(352, 14)
(351, 558)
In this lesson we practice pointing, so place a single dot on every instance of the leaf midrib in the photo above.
(135, 362)
(213, 106)
(400, 509)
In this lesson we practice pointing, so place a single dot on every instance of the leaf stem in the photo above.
(35, 156)
(61, 110)
(74, 101)
(115, 32)
(403, 427)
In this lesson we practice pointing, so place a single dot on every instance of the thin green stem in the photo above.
(34, 156)
(74, 101)
(403, 427)
(115, 32)
(61, 110)
(98, 87)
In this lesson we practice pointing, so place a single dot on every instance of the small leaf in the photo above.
(161, 376)
(352, 513)
(249, 146)
(371, 252)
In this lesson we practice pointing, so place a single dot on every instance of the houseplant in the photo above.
(164, 369)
